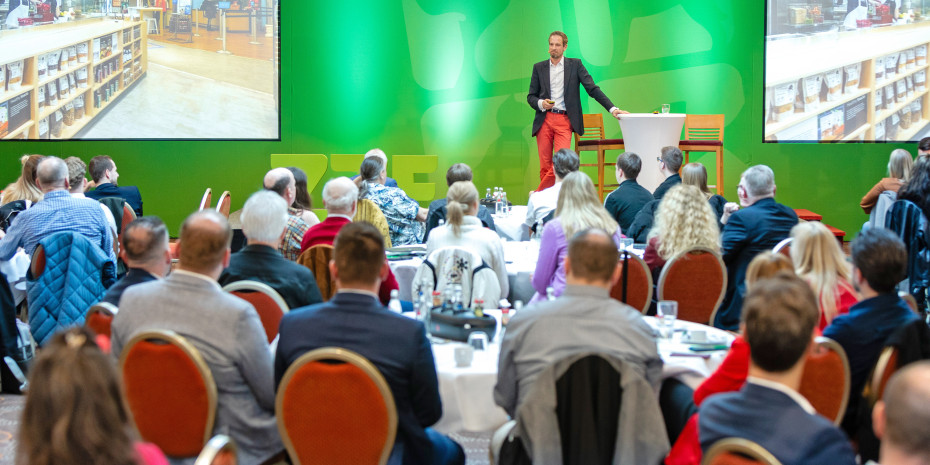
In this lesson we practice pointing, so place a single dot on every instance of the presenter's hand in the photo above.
(617, 112)
(546, 105)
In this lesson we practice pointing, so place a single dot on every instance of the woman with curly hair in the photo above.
(25, 187)
(819, 260)
(684, 221)
(75, 411)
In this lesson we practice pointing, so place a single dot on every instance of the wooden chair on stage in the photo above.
(638, 280)
(704, 133)
(222, 205)
(738, 451)
(697, 280)
(593, 141)
(206, 199)
(825, 382)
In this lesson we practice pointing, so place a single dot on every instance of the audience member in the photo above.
(25, 187)
(629, 198)
(917, 188)
(403, 214)
(380, 155)
(281, 181)
(264, 222)
(778, 323)
(542, 203)
(669, 164)
(923, 147)
(899, 172)
(57, 212)
(819, 260)
(78, 182)
(465, 230)
(879, 263)
(537, 336)
(902, 418)
(354, 319)
(684, 221)
(437, 208)
(75, 412)
(695, 174)
(103, 170)
(146, 253)
(578, 209)
(225, 330)
(302, 202)
(761, 225)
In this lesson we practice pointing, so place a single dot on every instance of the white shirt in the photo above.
(794, 395)
(557, 84)
(541, 203)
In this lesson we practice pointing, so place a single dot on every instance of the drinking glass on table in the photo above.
(667, 313)
(478, 340)
(626, 243)
(665, 108)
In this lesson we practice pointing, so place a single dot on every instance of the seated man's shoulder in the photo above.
(437, 204)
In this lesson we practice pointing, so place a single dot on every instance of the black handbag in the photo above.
(457, 327)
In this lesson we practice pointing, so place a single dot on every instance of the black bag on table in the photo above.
(457, 327)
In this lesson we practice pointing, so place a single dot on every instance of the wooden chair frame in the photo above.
(256, 286)
(346, 356)
(878, 380)
(704, 128)
(173, 338)
(206, 199)
(216, 445)
(641, 263)
(660, 288)
(223, 204)
(594, 131)
(739, 446)
(833, 346)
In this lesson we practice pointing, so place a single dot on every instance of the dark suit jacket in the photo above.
(749, 231)
(395, 344)
(575, 75)
(437, 211)
(777, 423)
(625, 202)
(129, 193)
(294, 282)
(133, 277)
(669, 182)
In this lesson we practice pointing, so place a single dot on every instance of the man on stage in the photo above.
(555, 96)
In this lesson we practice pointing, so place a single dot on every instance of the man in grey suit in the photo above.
(225, 329)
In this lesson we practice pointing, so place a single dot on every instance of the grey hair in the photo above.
(264, 217)
(339, 194)
(900, 164)
(377, 153)
(759, 181)
(52, 172)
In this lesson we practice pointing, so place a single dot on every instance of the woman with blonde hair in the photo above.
(695, 174)
(819, 260)
(577, 209)
(25, 187)
(899, 172)
(684, 220)
(464, 229)
(766, 265)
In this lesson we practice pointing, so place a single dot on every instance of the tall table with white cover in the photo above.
(645, 134)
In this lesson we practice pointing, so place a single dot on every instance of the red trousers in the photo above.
(555, 134)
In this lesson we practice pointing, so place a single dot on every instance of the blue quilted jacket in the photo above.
(77, 274)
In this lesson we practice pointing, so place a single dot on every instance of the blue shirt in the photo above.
(58, 212)
(400, 212)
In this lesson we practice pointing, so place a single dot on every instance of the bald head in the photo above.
(593, 258)
(52, 174)
(379, 154)
(281, 181)
(340, 196)
(904, 415)
(204, 243)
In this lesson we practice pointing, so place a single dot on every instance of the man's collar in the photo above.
(560, 63)
(791, 393)
(358, 292)
(194, 274)
(338, 215)
(57, 193)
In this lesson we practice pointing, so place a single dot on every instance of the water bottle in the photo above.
(394, 304)
(504, 205)
(488, 195)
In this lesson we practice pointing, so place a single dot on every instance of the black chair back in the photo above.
(588, 406)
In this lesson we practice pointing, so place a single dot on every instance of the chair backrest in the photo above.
(593, 128)
(784, 247)
(220, 450)
(128, 216)
(170, 390)
(100, 317)
(886, 365)
(368, 211)
(638, 280)
(826, 378)
(587, 407)
(222, 205)
(880, 210)
(353, 419)
(704, 127)
(270, 306)
(697, 280)
(317, 259)
(738, 451)
(450, 266)
(37, 263)
(206, 199)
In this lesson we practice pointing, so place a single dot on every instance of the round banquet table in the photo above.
(468, 392)
(510, 226)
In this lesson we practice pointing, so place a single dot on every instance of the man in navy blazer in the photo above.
(759, 226)
(103, 170)
(354, 319)
(555, 97)
(779, 320)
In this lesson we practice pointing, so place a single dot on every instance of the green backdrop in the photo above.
(449, 79)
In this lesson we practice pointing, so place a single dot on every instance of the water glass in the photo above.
(667, 313)
(478, 340)
(665, 108)
(464, 354)
(626, 243)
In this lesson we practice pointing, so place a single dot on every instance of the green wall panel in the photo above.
(448, 80)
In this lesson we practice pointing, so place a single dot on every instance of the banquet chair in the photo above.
(738, 451)
(170, 390)
(704, 133)
(784, 247)
(697, 280)
(270, 306)
(206, 199)
(368, 211)
(638, 280)
(222, 205)
(825, 381)
(100, 317)
(593, 140)
(220, 450)
(886, 365)
(317, 259)
(353, 419)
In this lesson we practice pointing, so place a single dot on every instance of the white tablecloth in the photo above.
(468, 392)
(510, 226)
(15, 271)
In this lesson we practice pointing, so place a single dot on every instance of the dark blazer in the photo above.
(129, 193)
(749, 231)
(133, 276)
(575, 75)
(294, 282)
(395, 344)
(437, 211)
(625, 202)
(776, 422)
(669, 182)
